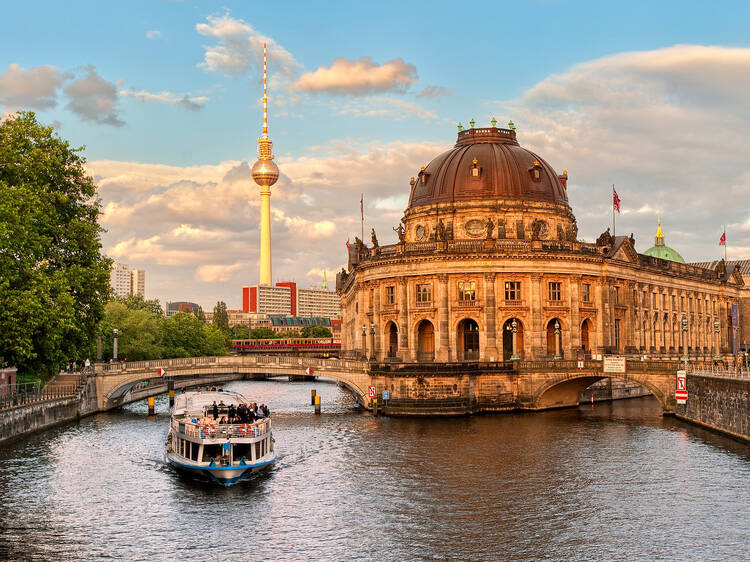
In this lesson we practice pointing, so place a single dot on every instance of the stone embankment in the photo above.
(718, 401)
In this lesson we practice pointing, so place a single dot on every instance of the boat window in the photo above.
(195, 448)
(211, 451)
(243, 450)
(257, 450)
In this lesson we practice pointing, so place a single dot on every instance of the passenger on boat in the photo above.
(244, 413)
(231, 413)
(266, 411)
(223, 420)
(215, 410)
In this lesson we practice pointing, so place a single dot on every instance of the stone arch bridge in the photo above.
(413, 389)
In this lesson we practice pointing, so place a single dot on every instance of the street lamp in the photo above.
(364, 342)
(114, 344)
(372, 341)
(514, 329)
(684, 357)
(717, 356)
(557, 340)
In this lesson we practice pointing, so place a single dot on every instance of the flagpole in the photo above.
(362, 214)
(725, 243)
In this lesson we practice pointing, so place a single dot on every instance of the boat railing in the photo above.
(215, 430)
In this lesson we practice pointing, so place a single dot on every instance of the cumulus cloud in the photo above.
(379, 106)
(434, 92)
(669, 127)
(238, 48)
(217, 273)
(93, 98)
(183, 100)
(153, 34)
(35, 88)
(359, 77)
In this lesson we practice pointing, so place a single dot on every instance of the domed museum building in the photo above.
(487, 267)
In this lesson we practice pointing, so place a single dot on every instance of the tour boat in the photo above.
(223, 453)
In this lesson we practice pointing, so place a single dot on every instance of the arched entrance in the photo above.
(468, 340)
(425, 341)
(554, 338)
(586, 329)
(508, 349)
(392, 339)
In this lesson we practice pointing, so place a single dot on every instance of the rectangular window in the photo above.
(512, 290)
(664, 302)
(616, 295)
(674, 302)
(424, 292)
(390, 295)
(555, 290)
(644, 301)
(617, 334)
(467, 290)
(586, 292)
(653, 300)
(682, 303)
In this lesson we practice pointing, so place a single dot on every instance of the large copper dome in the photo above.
(487, 163)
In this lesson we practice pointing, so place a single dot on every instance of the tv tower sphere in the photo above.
(265, 172)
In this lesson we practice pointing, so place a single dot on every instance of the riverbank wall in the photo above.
(718, 402)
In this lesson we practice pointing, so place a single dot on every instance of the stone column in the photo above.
(443, 353)
(379, 339)
(490, 352)
(403, 320)
(574, 331)
(602, 320)
(362, 319)
(627, 299)
(536, 329)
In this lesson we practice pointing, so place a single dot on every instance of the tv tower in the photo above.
(265, 173)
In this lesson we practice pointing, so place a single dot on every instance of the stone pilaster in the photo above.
(575, 317)
(403, 319)
(379, 336)
(443, 352)
(536, 331)
(490, 352)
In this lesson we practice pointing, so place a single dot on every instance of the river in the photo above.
(613, 481)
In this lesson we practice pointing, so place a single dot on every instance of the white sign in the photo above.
(614, 364)
(161, 372)
(386, 395)
(372, 391)
(681, 393)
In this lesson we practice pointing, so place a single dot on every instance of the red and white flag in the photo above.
(347, 244)
(362, 206)
(723, 239)
(615, 200)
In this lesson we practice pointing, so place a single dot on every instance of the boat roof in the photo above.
(194, 401)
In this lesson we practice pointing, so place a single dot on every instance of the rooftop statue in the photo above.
(399, 230)
(374, 238)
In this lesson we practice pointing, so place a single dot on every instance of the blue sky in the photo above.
(584, 81)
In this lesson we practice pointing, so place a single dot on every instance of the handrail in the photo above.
(215, 430)
(22, 394)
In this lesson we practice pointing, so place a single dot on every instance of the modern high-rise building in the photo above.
(125, 281)
(285, 298)
(318, 302)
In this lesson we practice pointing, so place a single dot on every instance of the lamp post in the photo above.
(372, 341)
(717, 355)
(684, 357)
(514, 329)
(364, 342)
(557, 340)
(114, 344)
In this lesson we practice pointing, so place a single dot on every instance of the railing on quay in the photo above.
(22, 394)
(739, 372)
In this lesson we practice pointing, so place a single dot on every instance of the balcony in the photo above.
(466, 304)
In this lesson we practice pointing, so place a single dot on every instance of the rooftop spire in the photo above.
(325, 281)
(659, 238)
(264, 143)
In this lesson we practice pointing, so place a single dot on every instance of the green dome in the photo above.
(664, 253)
(659, 250)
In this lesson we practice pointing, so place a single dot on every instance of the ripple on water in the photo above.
(606, 482)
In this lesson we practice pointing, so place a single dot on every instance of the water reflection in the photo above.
(611, 481)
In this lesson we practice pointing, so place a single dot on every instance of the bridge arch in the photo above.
(564, 390)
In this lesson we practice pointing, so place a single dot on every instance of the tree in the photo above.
(316, 332)
(137, 302)
(240, 332)
(262, 334)
(54, 281)
(221, 318)
(199, 314)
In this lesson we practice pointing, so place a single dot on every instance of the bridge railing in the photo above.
(214, 430)
(740, 372)
(29, 393)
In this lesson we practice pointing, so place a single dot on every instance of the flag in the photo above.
(362, 206)
(347, 244)
(723, 239)
(615, 200)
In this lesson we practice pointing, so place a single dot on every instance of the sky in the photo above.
(166, 97)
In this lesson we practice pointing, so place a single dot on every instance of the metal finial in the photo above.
(494, 122)
(460, 127)
(511, 125)
(471, 123)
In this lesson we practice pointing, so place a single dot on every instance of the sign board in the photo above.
(681, 393)
(162, 372)
(309, 371)
(614, 364)
(372, 391)
(580, 364)
(386, 395)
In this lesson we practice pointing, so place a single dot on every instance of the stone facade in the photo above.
(472, 261)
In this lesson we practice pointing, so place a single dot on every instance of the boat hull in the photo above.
(223, 475)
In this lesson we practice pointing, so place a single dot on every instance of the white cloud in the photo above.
(359, 77)
(394, 108)
(434, 92)
(184, 100)
(238, 50)
(217, 273)
(35, 88)
(93, 98)
(669, 127)
(154, 34)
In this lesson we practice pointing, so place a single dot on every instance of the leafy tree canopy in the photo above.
(316, 332)
(54, 281)
(221, 318)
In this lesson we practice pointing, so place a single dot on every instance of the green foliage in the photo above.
(262, 333)
(136, 302)
(316, 332)
(221, 318)
(240, 332)
(199, 314)
(54, 281)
